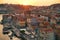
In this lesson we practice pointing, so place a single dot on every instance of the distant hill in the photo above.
(16, 8)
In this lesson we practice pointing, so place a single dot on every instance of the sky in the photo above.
(31, 2)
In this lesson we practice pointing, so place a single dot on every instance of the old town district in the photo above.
(33, 26)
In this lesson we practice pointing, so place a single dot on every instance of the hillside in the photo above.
(16, 8)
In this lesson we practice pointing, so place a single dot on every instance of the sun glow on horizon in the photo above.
(25, 2)
(31, 2)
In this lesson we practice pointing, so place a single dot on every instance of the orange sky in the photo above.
(31, 2)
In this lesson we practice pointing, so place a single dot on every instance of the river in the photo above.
(4, 37)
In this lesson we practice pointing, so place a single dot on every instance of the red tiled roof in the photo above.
(46, 23)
